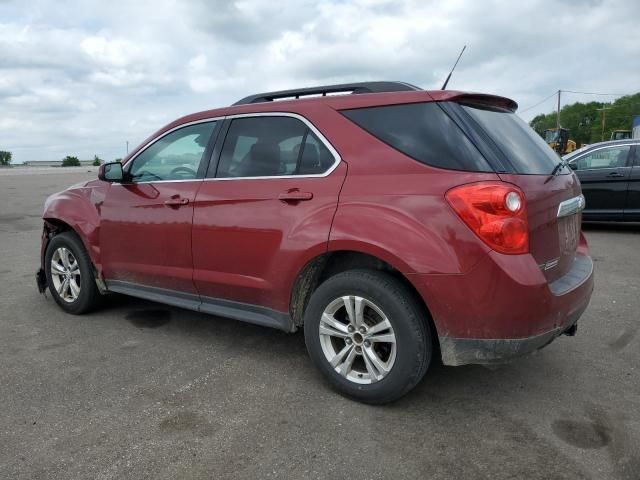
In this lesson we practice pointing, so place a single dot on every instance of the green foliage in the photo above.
(96, 161)
(5, 157)
(584, 121)
(119, 160)
(70, 161)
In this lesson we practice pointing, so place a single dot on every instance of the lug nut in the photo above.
(359, 349)
(367, 343)
(363, 330)
(348, 341)
(350, 328)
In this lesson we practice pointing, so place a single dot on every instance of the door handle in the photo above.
(615, 175)
(176, 202)
(295, 196)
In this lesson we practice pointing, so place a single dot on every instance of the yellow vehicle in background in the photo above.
(558, 139)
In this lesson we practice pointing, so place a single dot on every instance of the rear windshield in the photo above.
(522, 147)
(424, 132)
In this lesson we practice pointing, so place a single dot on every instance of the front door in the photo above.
(604, 176)
(145, 230)
(265, 211)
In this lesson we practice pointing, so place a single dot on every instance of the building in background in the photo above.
(54, 163)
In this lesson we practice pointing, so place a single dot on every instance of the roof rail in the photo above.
(353, 88)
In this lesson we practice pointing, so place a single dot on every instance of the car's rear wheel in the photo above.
(368, 335)
(70, 274)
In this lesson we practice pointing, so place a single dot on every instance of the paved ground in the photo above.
(139, 390)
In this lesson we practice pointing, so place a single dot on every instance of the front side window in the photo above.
(272, 147)
(175, 156)
(614, 157)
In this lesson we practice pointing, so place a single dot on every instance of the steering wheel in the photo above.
(143, 174)
(185, 172)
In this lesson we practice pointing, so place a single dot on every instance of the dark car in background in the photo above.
(610, 176)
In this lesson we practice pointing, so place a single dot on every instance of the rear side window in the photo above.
(272, 147)
(424, 132)
(521, 146)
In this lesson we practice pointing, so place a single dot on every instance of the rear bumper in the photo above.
(463, 351)
(504, 308)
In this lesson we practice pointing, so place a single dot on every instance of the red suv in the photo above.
(392, 224)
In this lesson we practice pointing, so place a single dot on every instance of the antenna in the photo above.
(454, 67)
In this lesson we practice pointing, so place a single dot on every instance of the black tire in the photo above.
(89, 295)
(409, 321)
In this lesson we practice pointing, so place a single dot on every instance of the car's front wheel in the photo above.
(368, 335)
(70, 274)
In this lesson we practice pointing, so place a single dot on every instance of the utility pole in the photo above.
(558, 114)
(127, 147)
(604, 115)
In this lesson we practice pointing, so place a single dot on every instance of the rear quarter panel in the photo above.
(394, 207)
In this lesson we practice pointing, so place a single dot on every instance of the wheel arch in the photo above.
(54, 226)
(72, 210)
(330, 263)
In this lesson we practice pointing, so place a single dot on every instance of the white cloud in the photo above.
(82, 77)
(116, 52)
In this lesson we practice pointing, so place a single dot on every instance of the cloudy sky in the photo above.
(82, 78)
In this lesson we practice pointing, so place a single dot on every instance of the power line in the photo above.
(540, 102)
(572, 91)
(596, 93)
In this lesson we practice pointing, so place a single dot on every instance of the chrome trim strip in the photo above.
(159, 181)
(549, 264)
(304, 120)
(571, 206)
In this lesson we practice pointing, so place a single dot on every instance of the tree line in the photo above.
(584, 120)
(5, 158)
(68, 161)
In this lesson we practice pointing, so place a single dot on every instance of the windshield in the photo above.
(522, 147)
(620, 135)
(550, 136)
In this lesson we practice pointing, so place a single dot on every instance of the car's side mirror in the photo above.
(111, 172)
(573, 166)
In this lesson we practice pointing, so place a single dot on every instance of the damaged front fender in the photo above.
(76, 209)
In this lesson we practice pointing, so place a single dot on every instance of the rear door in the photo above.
(264, 211)
(604, 175)
(632, 205)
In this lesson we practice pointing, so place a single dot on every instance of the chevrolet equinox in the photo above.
(393, 225)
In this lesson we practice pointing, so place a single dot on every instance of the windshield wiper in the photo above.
(556, 170)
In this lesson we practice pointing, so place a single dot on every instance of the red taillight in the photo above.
(496, 212)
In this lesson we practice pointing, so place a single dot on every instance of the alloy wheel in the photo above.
(65, 274)
(357, 339)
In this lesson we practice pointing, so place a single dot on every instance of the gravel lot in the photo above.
(140, 390)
